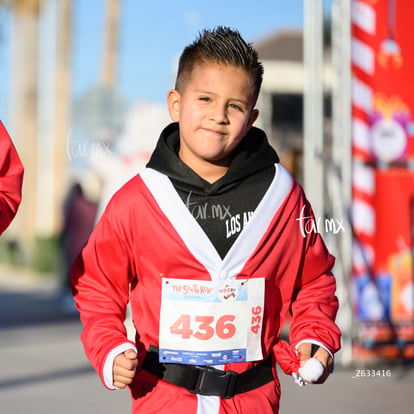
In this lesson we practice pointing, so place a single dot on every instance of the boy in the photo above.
(205, 244)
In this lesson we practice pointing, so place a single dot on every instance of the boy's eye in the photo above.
(235, 106)
(205, 99)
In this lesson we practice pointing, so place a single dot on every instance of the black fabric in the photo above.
(208, 380)
(224, 207)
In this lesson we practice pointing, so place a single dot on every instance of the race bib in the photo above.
(211, 323)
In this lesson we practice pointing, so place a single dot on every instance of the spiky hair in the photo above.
(223, 46)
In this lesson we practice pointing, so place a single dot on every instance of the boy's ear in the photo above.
(173, 100)
(253, 116)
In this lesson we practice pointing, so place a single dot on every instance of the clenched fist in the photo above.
(124, 368)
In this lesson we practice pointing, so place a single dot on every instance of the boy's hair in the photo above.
(222, 46)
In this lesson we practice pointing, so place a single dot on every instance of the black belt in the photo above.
(206, 380)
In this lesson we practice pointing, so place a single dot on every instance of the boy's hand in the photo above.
(125, 366)
(321, 354)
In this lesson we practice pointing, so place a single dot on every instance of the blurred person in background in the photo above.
(11, 179)
(80, 209)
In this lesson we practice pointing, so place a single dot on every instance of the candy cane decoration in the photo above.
(363, 178)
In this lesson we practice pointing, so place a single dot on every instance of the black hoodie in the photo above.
(224, 207)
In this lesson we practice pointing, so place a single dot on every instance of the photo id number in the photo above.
(372, 373)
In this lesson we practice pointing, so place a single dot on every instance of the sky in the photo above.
(152, 36)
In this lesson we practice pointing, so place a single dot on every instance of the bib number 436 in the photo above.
(204, 327)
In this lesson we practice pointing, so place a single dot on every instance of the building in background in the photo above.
(281, 102)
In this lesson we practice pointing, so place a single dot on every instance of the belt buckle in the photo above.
(212, 381)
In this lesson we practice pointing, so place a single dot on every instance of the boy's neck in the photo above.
(211, 175)
(208, 171)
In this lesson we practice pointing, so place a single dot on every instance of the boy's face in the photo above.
(215, 111)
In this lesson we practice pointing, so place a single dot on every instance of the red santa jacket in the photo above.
(147, 234)
(11, 179)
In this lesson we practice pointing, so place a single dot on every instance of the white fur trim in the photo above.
(312, 370)
(315, 342)
(195, 238)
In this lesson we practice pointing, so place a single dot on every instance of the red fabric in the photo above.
(11, 179)
(135, 243)
(287, 357)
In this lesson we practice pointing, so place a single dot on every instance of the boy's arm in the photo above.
(101, 279)
(11, 178)
(315, 305)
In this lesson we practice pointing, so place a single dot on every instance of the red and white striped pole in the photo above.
(363, 16)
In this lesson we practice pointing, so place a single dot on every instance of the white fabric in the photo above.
(312, 370)
(196, 239)
(208, 404)
(315, 342)
(107, 370)
(300, 379)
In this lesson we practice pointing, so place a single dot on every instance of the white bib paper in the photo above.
(211, 323)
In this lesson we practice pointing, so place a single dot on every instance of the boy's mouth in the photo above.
(214, 132)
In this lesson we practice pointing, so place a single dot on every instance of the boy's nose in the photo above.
(219, 114)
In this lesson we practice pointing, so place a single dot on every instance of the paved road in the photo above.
(43, 369)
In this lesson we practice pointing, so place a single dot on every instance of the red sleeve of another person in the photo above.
(11, 179)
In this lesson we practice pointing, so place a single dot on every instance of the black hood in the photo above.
(252, 155)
